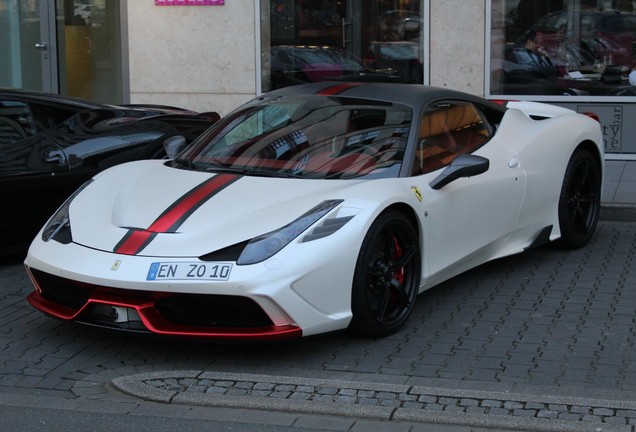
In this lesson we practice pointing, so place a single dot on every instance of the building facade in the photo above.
(217, 54)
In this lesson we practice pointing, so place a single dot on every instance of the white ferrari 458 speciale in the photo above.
(317, 208)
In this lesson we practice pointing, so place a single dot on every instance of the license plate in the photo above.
(189, 271)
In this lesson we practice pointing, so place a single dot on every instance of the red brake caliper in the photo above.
(398, 274)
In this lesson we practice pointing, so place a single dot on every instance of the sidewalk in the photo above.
(619, 191)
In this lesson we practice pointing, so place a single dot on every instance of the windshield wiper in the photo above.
(185, 162)
(221, 167)
(269, 173)
(204, 166)
(259, 172)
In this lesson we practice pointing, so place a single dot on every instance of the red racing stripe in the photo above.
(136, 239)
(337, 89)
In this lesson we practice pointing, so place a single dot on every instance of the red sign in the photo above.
(189, 2)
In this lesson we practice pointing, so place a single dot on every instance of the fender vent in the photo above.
(327, 228)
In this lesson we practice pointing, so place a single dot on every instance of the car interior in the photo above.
(448, 130)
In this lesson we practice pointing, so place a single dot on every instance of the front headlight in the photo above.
(265, 246)
(59, 226)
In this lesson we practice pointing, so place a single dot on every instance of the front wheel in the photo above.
(387, 274)
(580, 201)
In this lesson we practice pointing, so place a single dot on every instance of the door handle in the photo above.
(55, 157)
(41, 46)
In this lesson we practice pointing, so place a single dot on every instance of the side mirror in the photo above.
(174, 145)
(464, 165)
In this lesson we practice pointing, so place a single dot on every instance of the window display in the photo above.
(563, 47)
(354, 40)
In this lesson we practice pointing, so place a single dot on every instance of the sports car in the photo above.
(318, 208)
(51, 144)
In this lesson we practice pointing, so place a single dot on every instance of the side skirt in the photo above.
(542, 239)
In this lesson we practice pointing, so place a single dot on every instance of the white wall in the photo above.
(457, 44)
(197, 57)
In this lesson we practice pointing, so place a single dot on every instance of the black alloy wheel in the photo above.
(580, 201)
(387, 276)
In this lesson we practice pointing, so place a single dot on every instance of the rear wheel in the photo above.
(580, 201)
(387, 275)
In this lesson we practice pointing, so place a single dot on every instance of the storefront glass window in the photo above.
(71, 47)
(563, 47)
(344, 40)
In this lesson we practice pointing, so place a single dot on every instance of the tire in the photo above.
(387, 276)
(580, 201)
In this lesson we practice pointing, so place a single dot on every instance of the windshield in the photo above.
(308, 137)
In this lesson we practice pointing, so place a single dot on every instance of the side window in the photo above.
(448, 129)
(19, 120)
(16, 122)
(45, 117)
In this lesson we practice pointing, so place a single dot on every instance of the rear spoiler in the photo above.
(539, 110)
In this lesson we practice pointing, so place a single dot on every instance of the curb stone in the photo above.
(618, 212)
(389, 402)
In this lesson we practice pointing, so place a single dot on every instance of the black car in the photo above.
(50, 145)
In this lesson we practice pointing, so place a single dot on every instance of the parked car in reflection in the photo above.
(610, 36)
(297, 64)
(50, 145)
(397, 45)
(404, 57)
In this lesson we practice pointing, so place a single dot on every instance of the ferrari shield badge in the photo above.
(417, 192)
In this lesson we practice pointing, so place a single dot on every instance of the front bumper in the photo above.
(185, 315)
(282, 298)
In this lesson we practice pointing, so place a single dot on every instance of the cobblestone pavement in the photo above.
(544, 340)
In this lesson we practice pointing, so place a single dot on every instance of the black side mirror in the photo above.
(464, 165)
(174, 145)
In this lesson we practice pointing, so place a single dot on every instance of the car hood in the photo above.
(150, 209)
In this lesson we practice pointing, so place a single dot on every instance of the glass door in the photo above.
(71, 47)
(25, 42)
